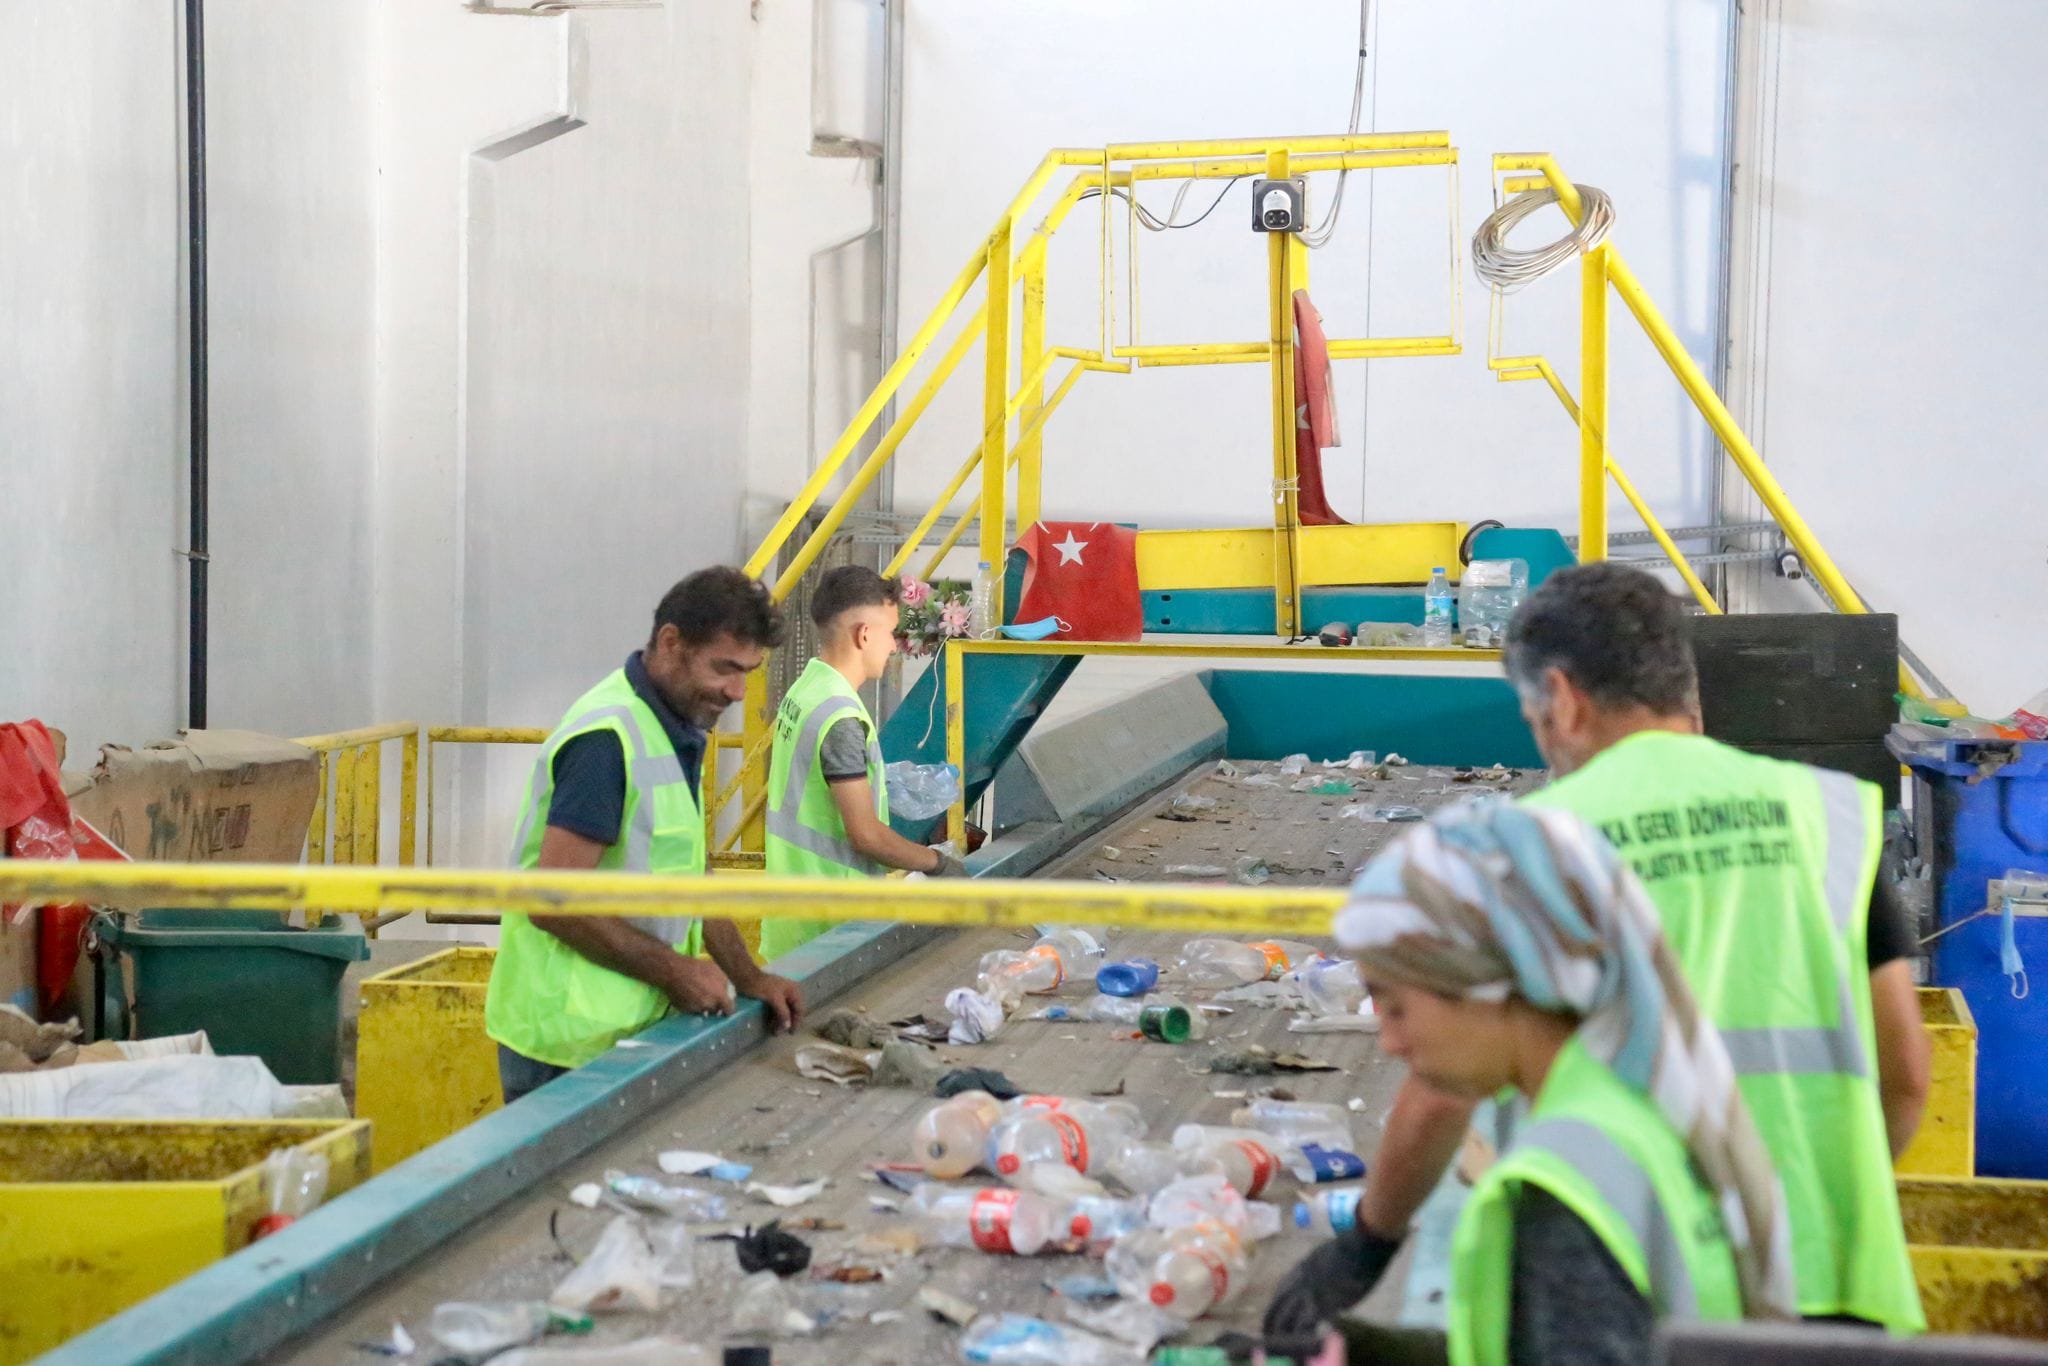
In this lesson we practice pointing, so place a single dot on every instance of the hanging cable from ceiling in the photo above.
(1320, 235)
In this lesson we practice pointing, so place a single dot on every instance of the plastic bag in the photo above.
(628, 1268)
(918, 792)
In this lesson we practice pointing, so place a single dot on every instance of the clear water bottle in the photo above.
(1329, 1212)
(949, 1139)
(1248, 1160)
(1291, 1118)
(994, 1218)
(1438, 610)
(1085, 1135)
(983, 603)
(1099, 1220)
(1185, 1271)
(1331, 986)
(477, 1330)
(1227, 963)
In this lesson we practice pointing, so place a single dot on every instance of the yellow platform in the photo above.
(424, 1067)
(1980, 1254)
(96, 1215)
(1946, 1144)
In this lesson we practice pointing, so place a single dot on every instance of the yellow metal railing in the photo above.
(1601, 270)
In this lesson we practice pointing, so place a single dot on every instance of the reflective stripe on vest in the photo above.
(782, 821)
(1621, 1181)
(1821, 1049)
(648, 772)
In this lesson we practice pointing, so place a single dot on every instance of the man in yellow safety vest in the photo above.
(828, 797)
(616, 787)
(1764, 875)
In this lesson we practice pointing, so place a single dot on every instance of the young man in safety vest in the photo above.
(1764, 874)
(828, 799)
(617, 786)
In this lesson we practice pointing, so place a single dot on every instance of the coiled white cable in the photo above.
(1507, 269)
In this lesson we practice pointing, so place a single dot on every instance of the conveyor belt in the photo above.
(758, 1110)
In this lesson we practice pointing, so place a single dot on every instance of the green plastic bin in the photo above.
(255, 985)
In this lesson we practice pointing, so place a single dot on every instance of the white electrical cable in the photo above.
(1507, 269)
(1319, 236)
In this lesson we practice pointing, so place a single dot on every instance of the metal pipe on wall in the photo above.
(196, 399)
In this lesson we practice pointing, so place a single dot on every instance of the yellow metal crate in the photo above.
(97, 1215)
(1980, 1254)
(424, 1066)
(1946, 1144)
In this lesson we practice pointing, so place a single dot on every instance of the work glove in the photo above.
(949, 864)
(1327, 1282)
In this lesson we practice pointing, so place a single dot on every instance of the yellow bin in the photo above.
(97, 1215)
(1980, 1254)
(424, 1066)
(1946, 1144)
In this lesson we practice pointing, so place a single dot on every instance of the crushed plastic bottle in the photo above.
(991, 1218)
(1227, 963)
(1099, 1220)
(1131, 977)
(950, 1139)
(1249, 1161)
(1329, 1212)
(1144, 1166)
(1292, 1119)
(678, 1202)
(1185, 1271)
(1328, 986)
(1020, 1340)
(478, 1330)
(1085, 1135)
(295, 1181)
(1163, 1019)
(1007, 974)
(1489, 591)
(1438, 610)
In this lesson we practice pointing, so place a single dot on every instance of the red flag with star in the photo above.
(1086, 574)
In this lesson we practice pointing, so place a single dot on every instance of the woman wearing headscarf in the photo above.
(1508, 947)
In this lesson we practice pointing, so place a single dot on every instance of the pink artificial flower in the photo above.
(955, 618)
(916, 592)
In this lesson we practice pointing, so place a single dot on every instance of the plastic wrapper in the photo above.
(628, 1269)
(920, 792)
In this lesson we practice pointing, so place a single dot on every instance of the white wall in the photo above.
(1892, 290)
(91, 398)
(994, 83)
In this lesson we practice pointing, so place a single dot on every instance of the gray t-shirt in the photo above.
(844, 753)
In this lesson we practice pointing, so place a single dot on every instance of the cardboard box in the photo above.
(213, 796)
(18, 958)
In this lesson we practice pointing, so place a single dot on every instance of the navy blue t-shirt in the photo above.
(590, 771)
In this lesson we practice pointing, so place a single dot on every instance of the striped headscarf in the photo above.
(1491, 900)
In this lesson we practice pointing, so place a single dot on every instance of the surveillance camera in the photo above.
(1279, 205)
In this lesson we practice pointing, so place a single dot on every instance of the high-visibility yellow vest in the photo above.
(546, 1000)
(1608, 1155)
(1761, 871)
(806, 836)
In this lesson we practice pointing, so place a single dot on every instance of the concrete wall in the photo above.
(91, 406)
(994, 83)
(1887, 329)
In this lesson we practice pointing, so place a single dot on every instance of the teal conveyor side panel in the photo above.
(1249, 611)
(1428, 719)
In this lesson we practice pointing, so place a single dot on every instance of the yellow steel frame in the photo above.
(1603, 269)
(1015, 904)
(953, 659)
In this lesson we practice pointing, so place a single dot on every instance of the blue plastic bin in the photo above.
(1974, 822)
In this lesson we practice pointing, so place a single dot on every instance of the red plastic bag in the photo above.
(37, 821)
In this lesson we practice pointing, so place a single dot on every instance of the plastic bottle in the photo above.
(1102, 1219)
(982, 606)
(1227, 963)
(1438, 609)
(992, 1218)
(949, 1139)
(1328, 1212)
(1131, 977)
(1085, 1136)
(1164, 1019)
(478, 1330)
(1080, 952)
(1007, 974)
(1251, 1162)
(1330, 986)
(1144, 1166)
(295, 1180)
(1292, 1119)
(1185, 1271)
(1020, 1340)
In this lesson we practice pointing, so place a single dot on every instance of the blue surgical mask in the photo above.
(1034, 630)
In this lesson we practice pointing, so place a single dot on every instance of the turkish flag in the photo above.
(1086, 574)
(1315, 413)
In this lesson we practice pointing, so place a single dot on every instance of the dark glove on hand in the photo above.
(1327, 1282)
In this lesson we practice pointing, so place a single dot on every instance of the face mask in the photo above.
(1035, 630)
